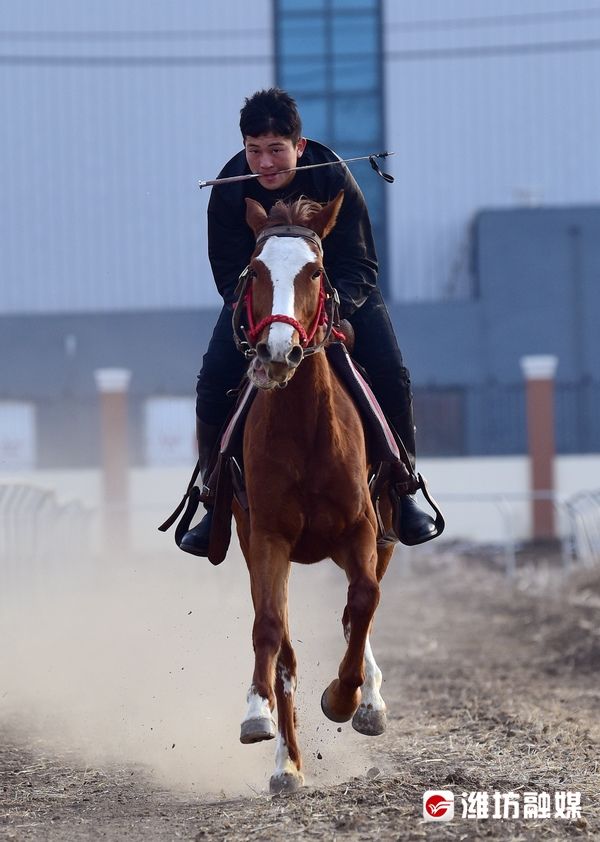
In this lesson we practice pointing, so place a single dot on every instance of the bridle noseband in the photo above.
(327, 309)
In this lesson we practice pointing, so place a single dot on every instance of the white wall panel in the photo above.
(169, 431)
(111, 112)
(488, 104)
(476, 518)
(17, 436)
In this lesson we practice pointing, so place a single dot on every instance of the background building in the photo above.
(111, 113)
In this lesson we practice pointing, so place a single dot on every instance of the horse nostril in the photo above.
(263, 353)
(294, 357)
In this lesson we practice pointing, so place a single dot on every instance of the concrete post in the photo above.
(539, 374)
(112, 385)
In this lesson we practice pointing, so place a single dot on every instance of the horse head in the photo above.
(286, 289)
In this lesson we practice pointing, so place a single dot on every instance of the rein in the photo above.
(327, 307)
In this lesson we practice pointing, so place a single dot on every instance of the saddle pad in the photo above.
(381, 439)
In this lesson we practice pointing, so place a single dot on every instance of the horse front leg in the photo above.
(341, 699)
(269, 568)
(371, 715)
(288, 762)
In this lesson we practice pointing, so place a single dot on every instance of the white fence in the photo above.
(577, 522)
(38, 532)
(39, 536)
(584, 517)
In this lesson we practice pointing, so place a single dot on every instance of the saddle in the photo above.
(388, 458)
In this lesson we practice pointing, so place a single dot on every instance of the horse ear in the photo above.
(256, 215)
(324, 220)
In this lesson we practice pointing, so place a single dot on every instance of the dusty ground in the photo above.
(490, 685)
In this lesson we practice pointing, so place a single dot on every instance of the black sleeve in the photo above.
(349, 251)
(230, 244)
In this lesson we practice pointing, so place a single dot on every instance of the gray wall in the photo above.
(536, 280)
(536, 273)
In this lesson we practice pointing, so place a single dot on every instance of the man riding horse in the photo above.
(273, 144)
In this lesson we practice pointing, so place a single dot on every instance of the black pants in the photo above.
(376, 350)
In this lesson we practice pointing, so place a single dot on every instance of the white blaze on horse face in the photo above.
(284, 257)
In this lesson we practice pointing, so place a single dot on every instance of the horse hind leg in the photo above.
(370, 717)
(287, 776)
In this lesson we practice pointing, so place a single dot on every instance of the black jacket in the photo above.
(349, 251)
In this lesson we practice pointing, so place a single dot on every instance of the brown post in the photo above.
(112, 384)
(539, 374)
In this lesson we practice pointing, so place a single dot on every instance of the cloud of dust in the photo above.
(148, 661)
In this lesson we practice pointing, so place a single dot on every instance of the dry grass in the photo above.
(491, 686)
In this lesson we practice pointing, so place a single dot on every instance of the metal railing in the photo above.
(40, 537)
(577, 523)
(38, 534)
(584, 515)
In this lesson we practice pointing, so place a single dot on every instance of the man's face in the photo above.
(270, 153)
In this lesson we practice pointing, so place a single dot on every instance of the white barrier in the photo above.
(38, 534)
(584, 517)
(485, 500)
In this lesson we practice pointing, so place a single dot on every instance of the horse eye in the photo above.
(316, 275)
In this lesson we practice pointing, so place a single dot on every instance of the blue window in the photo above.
(329, 58)
(308, 76)
(303, 5)
(355, 111)
(316, 117)
(352, 4)
(354, 74)
(356, 35)
(301, 37)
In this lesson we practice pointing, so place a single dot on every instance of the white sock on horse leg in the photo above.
(370, 695)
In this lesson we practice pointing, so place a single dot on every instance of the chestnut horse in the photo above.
(305, 464)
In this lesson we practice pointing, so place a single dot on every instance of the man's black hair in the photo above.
(271, 111)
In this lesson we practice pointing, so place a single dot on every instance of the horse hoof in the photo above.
(286, 783)
(368, 721)
(329, 713)
(257, 729)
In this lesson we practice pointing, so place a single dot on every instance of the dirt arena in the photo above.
(122, 692)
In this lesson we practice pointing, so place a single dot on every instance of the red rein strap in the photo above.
(305, 337)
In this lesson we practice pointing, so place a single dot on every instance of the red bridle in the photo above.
(306, 336)
(327, 308)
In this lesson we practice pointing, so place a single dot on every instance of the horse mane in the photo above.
(299, 212)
